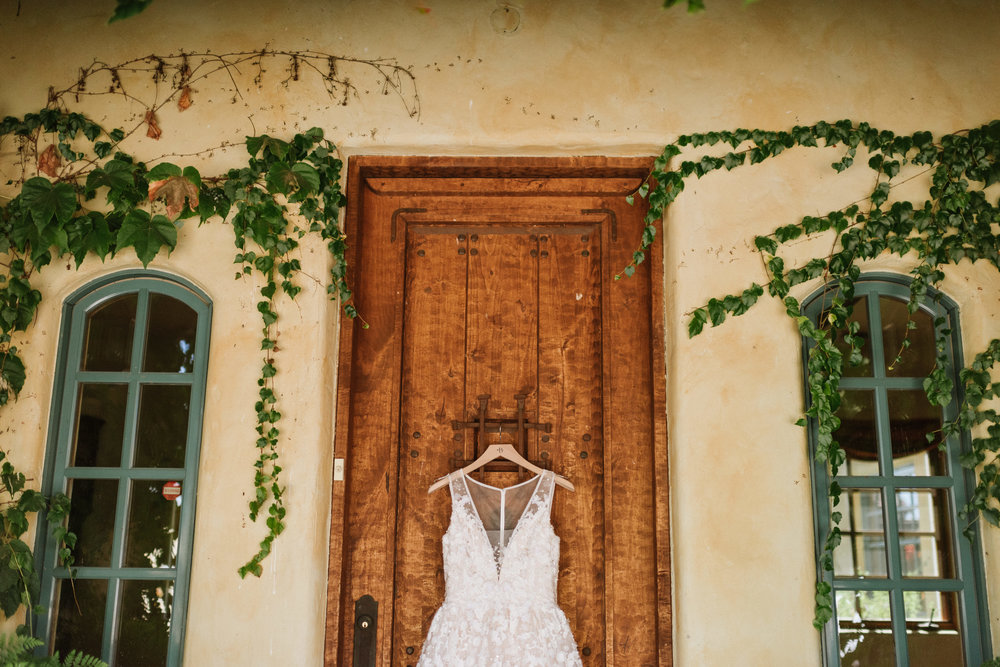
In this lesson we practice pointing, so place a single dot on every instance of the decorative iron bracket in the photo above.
(482, 425)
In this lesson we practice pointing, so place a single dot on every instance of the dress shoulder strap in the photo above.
(457, 486)
(546, 490)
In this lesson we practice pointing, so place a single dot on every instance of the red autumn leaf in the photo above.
(185, 100)
(153, 131)
(174, 191)
(49, 162)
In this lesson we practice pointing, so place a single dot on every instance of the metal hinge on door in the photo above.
(365, 626)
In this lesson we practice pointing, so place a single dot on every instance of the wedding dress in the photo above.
(501, 562)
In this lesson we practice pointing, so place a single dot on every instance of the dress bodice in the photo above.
(501, 564)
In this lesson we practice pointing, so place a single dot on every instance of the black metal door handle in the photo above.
(365, 631)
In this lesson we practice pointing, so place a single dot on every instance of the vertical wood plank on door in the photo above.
(501, 326)
(658, 381)
(569, 396)
(369, 542)
(432, 388)
(629, 465)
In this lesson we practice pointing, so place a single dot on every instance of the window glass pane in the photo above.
(161, 436)
(153, 519)
(80, 619)
(859, 315)
(100, 425)
(144, 626)
(911, 418)
(844, 564)
(864, 629)
(933, 635)
(170, 336)
(861, 552)
(108, 337)
(92, 518)
(856, 434)
(925, 533)
(919, 358)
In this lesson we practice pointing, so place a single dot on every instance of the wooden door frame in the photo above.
(363, 168)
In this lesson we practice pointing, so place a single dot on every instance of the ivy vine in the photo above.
(954, 223)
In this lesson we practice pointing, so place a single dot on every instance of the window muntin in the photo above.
(127, 428)
(907, 586)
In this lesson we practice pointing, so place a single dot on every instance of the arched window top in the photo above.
(133, 280)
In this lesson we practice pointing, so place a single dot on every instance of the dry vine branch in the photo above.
(187, 68)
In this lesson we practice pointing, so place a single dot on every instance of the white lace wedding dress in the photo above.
(501, 562)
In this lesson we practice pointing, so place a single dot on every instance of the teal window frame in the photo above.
(968, 582)
(58, 471)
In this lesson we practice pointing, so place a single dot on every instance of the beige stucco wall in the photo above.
(582, 77)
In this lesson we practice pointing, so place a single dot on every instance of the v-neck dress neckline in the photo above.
(497, 553)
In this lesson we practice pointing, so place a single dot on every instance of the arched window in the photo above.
(125, 434)
(908, 585)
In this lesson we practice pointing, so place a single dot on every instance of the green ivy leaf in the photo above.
(697, 322)
(733, 160)
(163, 171)
(271, 147)
(880, 194)
(46, 201)
(192, 175)
(89, 233)
(716, 312)
(12, 370)
(115, 174)
(766, 244)
(299, 177)
(146, 234)
(129, 8)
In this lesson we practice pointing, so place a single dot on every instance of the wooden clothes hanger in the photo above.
(503, 451)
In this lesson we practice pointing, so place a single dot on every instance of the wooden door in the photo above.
(496, 277)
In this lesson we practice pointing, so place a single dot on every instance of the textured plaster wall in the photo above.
(582, 77)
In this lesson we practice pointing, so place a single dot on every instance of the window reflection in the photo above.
(865, 638)
(144, 628)
(924, 533)
(918, 358)
(857, 434)
(92, 518)
(80, 618)
(153, 518)
(911, 418)
(170, 336)
(862, 547)
(100, 425)
(161, 435)
(862, 342)
(933, 635)
(108, 339)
